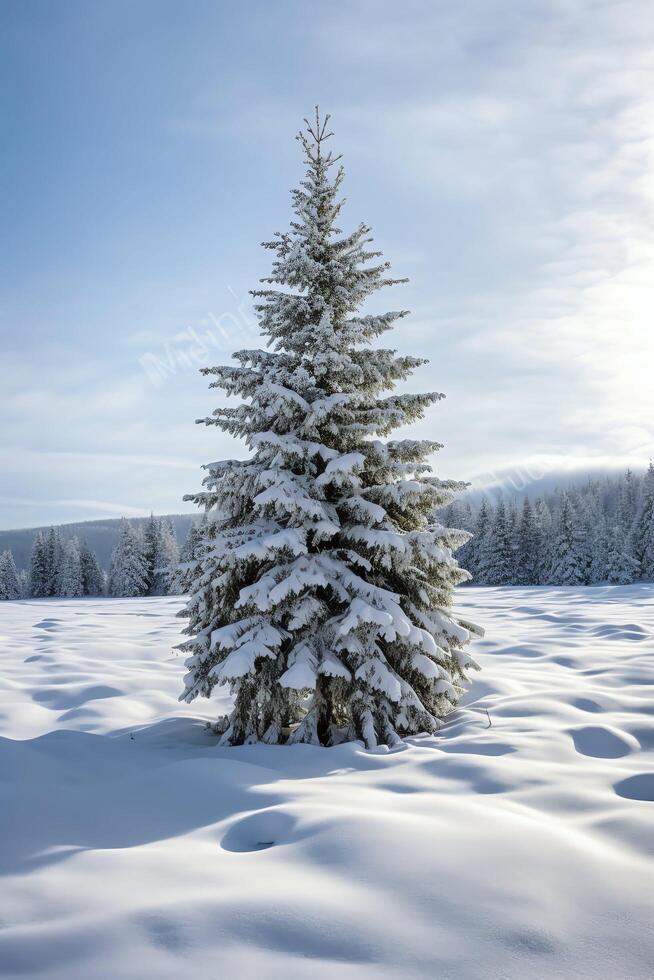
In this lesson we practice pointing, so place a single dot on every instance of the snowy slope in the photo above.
(131, 847)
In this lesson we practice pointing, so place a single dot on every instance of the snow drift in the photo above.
(515, 843)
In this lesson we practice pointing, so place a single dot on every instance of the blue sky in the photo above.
(502, 151)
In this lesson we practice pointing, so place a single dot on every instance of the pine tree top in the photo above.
(317, 391)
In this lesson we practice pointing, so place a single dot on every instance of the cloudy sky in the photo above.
(502, 150)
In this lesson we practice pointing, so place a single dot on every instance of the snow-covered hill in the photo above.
(516, 844)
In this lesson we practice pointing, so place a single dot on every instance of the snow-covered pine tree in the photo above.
(498, 559)
(127, 575)
(584, 531)
(39, 567)
(166, 558)
(513, 519)
(150, 541)
(161, 555)
(543, 521)
(621, 568)
(595, 526)
(602, 542)
(567, 565)
(9, 584)
(323, 595)
(529, 546)
(69, 579)
(643, 537)
(54, 558)
(189, 555)
(477, 546)
(92, 576)
(628, 503)
(24, 583)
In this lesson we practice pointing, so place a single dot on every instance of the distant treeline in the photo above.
(144, 562)
(599, 531)
(101, 536)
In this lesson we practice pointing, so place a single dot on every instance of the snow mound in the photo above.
(515, 843)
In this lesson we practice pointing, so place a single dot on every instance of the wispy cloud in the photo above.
(504, 154)
(96, 507)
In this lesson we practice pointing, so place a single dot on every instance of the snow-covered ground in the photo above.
(516, 844)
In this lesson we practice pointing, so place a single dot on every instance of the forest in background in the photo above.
(601, 530)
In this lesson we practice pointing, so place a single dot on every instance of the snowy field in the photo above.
(131, 847)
